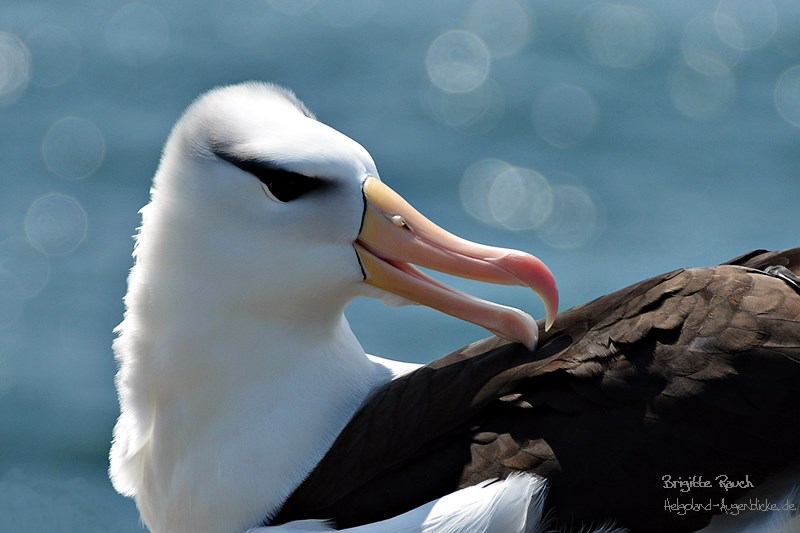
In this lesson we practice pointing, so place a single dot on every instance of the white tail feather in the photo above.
(512, 505)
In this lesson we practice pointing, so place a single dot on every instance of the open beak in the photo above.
(394, 235)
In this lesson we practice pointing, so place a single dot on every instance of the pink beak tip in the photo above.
(535, 274)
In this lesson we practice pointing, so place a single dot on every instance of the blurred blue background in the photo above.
(615, 141)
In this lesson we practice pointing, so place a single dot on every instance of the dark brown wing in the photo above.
(694, 374)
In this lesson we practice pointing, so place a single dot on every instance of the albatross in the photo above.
(246, 402)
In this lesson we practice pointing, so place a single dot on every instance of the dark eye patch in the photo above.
(284, 185)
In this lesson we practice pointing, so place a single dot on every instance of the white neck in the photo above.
(224, 410)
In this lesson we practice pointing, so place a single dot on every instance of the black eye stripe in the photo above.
(283, 184)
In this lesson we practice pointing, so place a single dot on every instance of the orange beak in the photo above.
(394, 235)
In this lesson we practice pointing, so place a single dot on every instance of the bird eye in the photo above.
(282, 185)
(287, 186)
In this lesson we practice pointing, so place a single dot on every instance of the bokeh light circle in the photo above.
(574, 221)
(24, 269)
(56, 223)
(458, 61)
(476, 111)
(15, 68)
(787, 95)
(703, 96)
(617, 35)
(503, 195)
(137, 35)
(704, 50)
(520, 199)
(564, 115)
(475, 185)
(73, 148)
(746, 24)
(56, 55)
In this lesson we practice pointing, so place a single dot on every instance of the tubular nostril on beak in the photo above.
(398, 221)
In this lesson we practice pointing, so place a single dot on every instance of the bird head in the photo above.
(296, 215)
